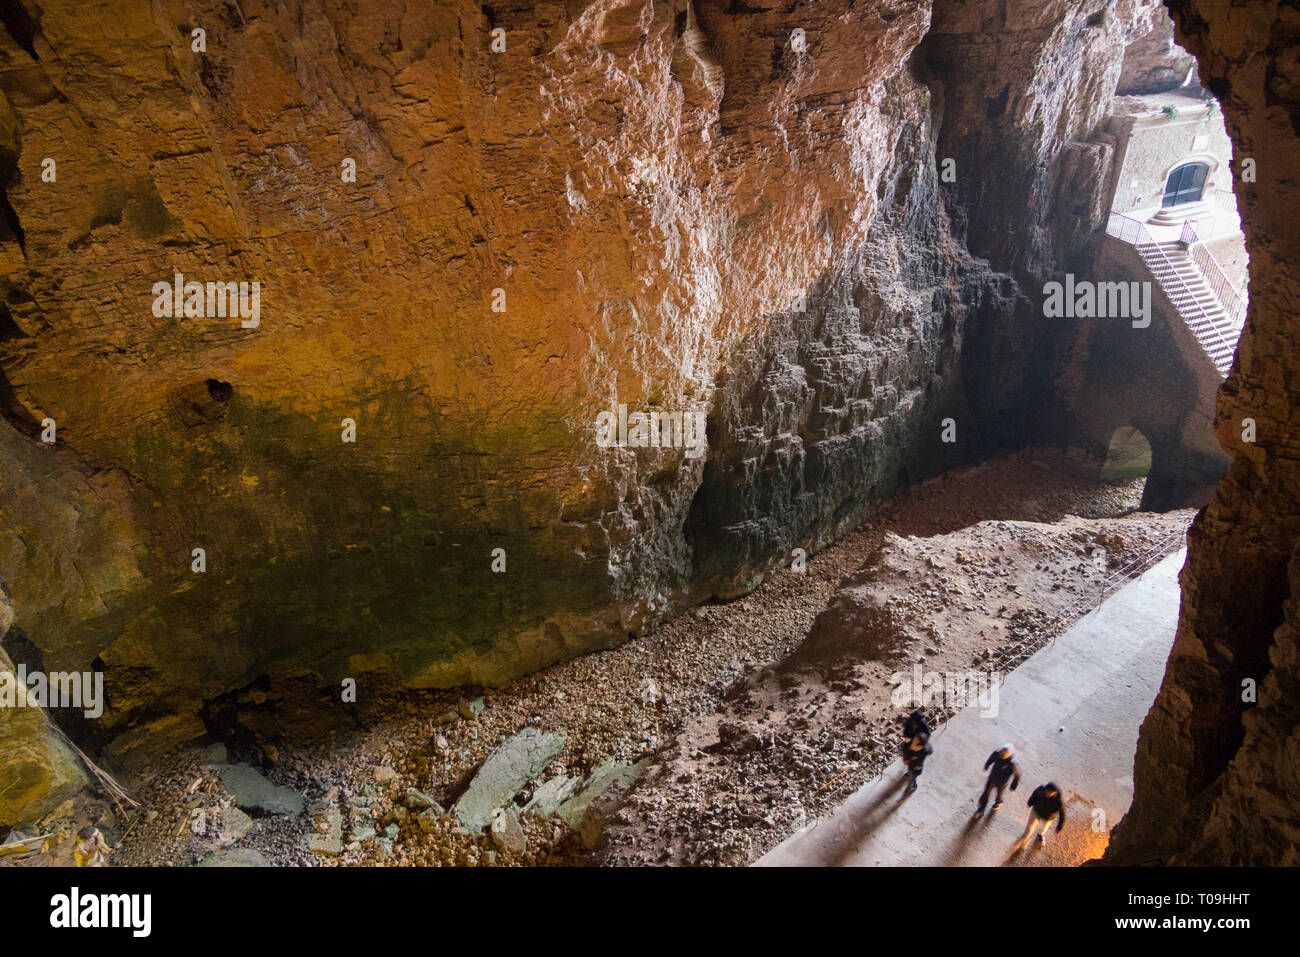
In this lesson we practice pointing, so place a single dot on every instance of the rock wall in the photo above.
(1219, 754)
(836, 408)
(1154, 63)
(40, 770)
(727, 209)
(1027, 87)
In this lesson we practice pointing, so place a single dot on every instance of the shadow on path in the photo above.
(957, 848)
(873, 816)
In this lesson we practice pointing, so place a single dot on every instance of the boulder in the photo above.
(602, 790)
(253, 792)
(508, 832)
(512, 765)
(550, 795)
(233, 825)
(328, 839)
(39, 771)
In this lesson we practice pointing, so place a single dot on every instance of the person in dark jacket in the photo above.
(915, 752)
(914, 726)
(1002, 768)
(1044, 804)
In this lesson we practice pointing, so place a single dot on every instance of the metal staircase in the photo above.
(1208, 305)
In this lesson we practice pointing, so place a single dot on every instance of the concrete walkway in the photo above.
(1072, 711)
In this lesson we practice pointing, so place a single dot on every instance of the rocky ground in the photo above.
(795, 738)
(724, 730)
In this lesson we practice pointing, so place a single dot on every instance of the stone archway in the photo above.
(1127, 456)
(1156, 379)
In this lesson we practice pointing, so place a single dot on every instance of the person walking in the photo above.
(914, 726)
(1001, 766)
(1044, 805)
(914, 755)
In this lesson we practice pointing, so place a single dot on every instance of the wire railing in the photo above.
(1122, 576)
(1046, 633)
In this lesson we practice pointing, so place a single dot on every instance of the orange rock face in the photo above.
(474, 229)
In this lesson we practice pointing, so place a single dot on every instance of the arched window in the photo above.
(1185, 184)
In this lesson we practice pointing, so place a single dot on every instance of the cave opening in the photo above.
(916, 479)
(1128, 455)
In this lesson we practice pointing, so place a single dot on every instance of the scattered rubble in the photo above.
(235, 857)
(664, 749)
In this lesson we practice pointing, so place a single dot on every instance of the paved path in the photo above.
(1072, 711)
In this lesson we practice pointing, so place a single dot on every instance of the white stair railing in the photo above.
(1232, 303)
(1193, 312)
